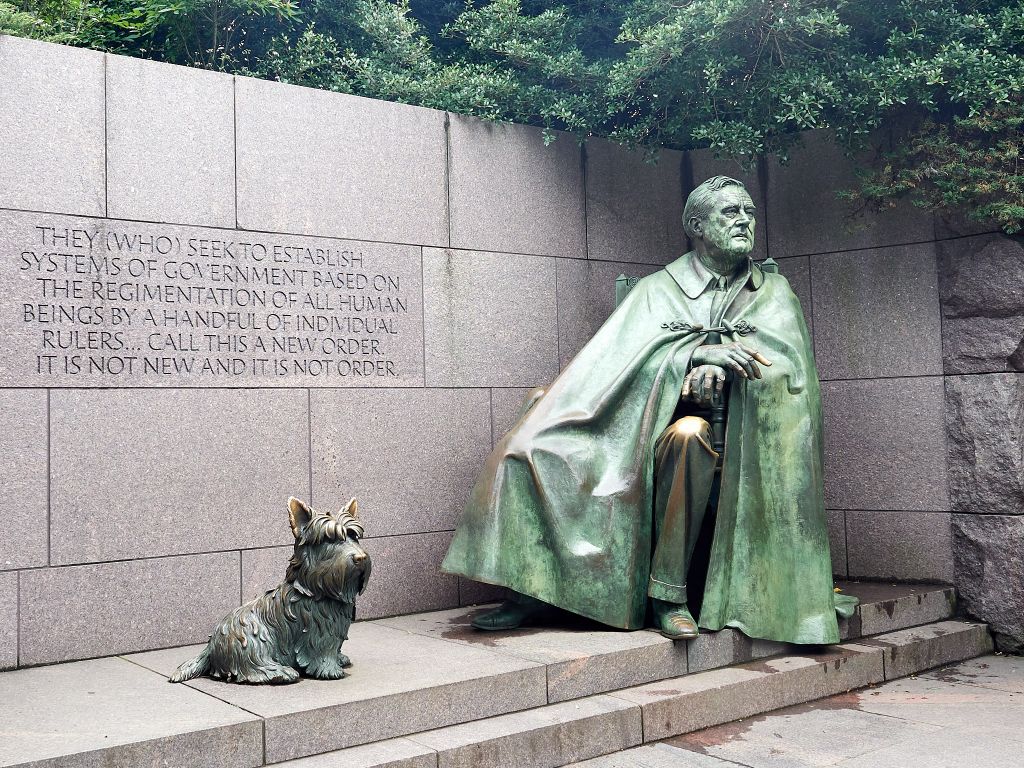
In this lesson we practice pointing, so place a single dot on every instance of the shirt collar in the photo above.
(694, 278)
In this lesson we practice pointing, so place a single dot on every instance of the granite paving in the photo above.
(967, 714)
(57, 715)
(427, 690)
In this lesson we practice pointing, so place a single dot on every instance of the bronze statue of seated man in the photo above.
(601, 495)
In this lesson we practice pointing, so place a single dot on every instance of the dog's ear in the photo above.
(299, 515)
(351, 509)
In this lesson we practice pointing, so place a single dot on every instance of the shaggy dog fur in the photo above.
(298, 627)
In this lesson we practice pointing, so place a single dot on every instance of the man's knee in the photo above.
(688, 427)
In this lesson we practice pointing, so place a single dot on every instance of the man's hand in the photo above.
(735, 357)
(702, 382)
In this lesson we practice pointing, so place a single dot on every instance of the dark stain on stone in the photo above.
(889, 606)
(703, 741)
(954, 674)
(462, 629)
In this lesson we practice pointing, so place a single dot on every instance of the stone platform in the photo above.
(427, 690)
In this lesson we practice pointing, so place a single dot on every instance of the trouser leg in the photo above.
(684, 472)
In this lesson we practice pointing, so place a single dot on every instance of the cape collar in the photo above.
(694, 278)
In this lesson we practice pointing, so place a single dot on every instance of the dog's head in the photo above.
(328, 561)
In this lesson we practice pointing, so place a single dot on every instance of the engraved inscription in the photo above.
(114, 303)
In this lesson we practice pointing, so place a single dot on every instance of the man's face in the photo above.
(729, 228)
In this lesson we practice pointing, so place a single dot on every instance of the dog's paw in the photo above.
(344, 660)
(327, 672)
(276, 675)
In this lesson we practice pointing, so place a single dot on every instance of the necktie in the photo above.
(718, 302)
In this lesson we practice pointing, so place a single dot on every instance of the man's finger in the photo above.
(749, 369)
(736, 365)
(757, 355)
(687, 384)
(720, 381)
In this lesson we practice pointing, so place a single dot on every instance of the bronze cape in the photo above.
(562, 510)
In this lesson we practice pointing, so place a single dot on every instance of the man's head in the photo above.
(719, 218)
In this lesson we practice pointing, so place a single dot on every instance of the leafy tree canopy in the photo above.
(933, 89)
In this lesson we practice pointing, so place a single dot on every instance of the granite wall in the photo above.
(225, 291)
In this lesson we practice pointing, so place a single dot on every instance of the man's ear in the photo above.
(299, 515)
(697, 226)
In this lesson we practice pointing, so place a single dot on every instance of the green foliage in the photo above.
(935, 87)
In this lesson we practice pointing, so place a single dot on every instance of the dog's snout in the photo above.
(358, 557)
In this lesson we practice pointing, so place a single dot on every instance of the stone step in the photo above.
(569, 732)
(413, 674)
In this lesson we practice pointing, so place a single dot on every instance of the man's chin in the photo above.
(740, 247)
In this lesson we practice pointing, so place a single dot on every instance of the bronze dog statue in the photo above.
(298, 627)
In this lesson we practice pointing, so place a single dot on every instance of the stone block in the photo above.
(24, 444)
(876, 313)
(551, 736)
(400, 684)
(985, 428)
(586, 298)
(701, 700)
(8, 620)
(582, 657)
(115, 303)
(263, 569)
(52, 123)
(197, 470)
(110, 712)
(170, 143)
(711, 650)
(81, 611)
(489, 319)
(913, 650)
(322, 163)
(797, 270)
(634, 208)
(511, 193)
(885, 445)
(718, 696)
(816, 172)
(407, 575)
(982, 312)
(475, 592)
(912, 546)
(409, 456)
(704, 165)
(837, 541)
(506, 403)
(393, 753)
(988, 552)
(902, 606)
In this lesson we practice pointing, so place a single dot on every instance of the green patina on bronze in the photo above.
(562, 510)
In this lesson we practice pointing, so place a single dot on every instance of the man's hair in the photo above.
(702, 199)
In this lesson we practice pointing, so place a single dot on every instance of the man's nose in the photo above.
(744, 218)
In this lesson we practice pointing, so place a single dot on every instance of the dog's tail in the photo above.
(193, 668)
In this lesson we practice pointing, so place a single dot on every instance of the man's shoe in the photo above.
(511, 614)
(674, 621)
